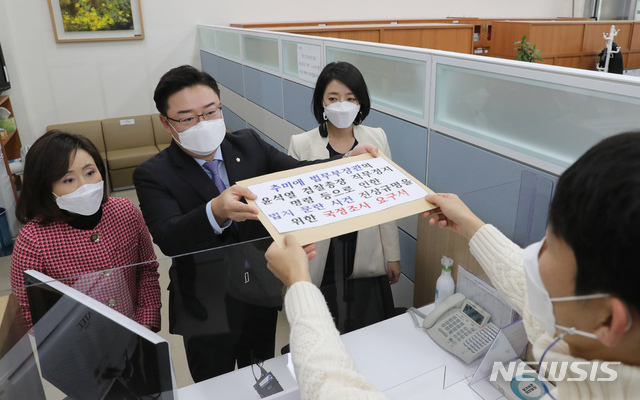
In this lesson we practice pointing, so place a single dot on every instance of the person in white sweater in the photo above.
(576, 289)
(323, 367)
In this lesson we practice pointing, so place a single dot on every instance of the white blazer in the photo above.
(375, 244)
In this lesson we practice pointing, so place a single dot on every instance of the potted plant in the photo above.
(526, 51)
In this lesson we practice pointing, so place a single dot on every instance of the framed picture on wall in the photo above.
(91, 20)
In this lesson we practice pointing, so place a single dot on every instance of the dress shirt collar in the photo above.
(216, 156)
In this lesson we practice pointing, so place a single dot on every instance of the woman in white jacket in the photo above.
(340, 104)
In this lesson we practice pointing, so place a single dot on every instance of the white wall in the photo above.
(67, 82)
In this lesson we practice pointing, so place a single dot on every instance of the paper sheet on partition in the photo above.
(320, 201)
(486, 297)
(309, 62)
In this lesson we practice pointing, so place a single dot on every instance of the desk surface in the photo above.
(399, 359)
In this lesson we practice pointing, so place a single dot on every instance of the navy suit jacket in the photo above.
(173, 191)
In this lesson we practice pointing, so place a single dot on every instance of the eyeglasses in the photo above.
(190, 120)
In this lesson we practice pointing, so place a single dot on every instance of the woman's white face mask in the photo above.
(540, 304)
(85, 200)
(341, 113)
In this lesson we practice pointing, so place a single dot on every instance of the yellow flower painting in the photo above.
(96, 15)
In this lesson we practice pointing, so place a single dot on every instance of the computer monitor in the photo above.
(90, 351)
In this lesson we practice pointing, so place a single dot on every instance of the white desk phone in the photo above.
(461, 327)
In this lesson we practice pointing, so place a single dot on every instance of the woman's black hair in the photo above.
(47, 161)
(351, 77)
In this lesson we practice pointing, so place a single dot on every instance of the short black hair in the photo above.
(351, 77)
(46, 162)
(179, 78)
(596, 211)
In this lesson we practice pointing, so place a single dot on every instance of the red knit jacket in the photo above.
(71, 256)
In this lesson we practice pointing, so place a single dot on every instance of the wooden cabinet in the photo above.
(11, 144)
(568, 43)
(481, 33)
(437, 36)
(481, 37)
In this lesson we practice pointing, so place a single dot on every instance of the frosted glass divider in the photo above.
(289, 59)
(261, 51)
(228, 44)
(612, 92)
(524, 111)
(544, 74)
(207, 38)
(397, 80)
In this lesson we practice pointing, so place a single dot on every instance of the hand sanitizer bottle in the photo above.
(445, 285)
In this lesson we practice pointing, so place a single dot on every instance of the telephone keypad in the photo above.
(456, 329)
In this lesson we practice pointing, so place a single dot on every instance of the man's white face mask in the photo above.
(203, 138)
(540, 304)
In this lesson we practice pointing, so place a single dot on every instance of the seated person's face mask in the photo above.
(540, 303)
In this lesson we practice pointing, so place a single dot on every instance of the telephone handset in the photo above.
(461, 327)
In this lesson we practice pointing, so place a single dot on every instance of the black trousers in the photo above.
(218, 329)
(251, 338)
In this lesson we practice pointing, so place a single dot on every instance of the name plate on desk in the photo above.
(325, 200)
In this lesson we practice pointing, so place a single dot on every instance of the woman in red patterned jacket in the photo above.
(73, 229)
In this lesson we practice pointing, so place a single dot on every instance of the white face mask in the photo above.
(540, 304)
(85, 200)
(204, 138)
(341, 113)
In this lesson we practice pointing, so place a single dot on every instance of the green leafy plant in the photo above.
(526, 51)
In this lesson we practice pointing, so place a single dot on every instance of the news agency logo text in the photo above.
(579, 371)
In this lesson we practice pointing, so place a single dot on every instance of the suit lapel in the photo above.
(192, 173)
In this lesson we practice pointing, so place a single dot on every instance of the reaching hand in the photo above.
(228, 205)
(452, 213)
(364, 148)
(291, 263)
(393, 271)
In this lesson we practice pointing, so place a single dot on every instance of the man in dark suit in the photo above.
(190, 202)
